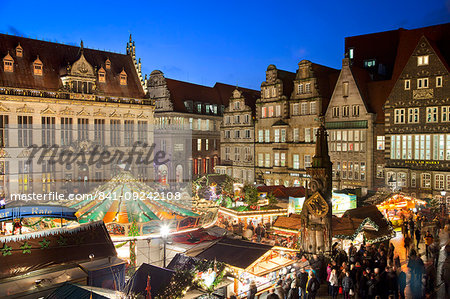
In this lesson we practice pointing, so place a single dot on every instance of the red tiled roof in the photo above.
(55, 58)
(219, 94)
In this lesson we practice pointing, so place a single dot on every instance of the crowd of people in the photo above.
(370, 271)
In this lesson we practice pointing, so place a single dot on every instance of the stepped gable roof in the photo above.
(38, 250)
(219, 94)
(236, 253)
(56, 58)
(250, 95)
(288, 82)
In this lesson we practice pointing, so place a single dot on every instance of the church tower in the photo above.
(316, 212)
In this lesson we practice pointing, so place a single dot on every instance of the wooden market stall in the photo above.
(250, 261)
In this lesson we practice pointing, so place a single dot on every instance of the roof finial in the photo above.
(130, 38)
(81, 46)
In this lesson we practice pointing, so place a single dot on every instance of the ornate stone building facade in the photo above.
(287, 120)
(238, 137)
(74, 98)
(197, 112)
(355, 122)
(418, 116)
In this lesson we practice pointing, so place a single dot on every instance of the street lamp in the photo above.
(164, 233)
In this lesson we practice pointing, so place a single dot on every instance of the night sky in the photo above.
(226, 41)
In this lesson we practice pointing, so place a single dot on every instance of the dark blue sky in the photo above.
(225, 41)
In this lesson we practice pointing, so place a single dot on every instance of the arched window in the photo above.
(8, 63)
(38, 67)
(108, 64)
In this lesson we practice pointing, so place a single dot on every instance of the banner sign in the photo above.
(37, 211)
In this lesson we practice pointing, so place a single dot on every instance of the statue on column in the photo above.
(316, 212)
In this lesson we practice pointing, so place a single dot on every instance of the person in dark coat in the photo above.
(417, 233)
(371, 287)
(279, 290)
(402, 284)
(392, 282)
(272, 294)
(302, 281)
(347, 285)
(362, 290)
(251, 294)
(391, 252)
(313, 286)
(417, 269)
(293, 292)
(287, 284)
(407, 244)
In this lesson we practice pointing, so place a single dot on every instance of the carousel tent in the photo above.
(125, 199)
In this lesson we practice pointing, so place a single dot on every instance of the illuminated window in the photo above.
(422, 60)
(351, 52)
(380, 143)
(101, 75)
(426, 180)
(37, 67)
(307, 161)
(335, 111)
(108, 64)
(264, 112)
(304, 108)
(8, 64)
(270, 111)
(355, 110)
(19, 51)
(312, 107)
(296, 161)
(300, 89)
(123, 78)
(345, 110)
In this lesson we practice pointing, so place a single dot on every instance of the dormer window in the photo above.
(101, 75)
(108, 64)
(19, 51)
(8, 64)
(37, 67)
(123, 78)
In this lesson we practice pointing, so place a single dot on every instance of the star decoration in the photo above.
(44, 243)
(26, 248)
(6, 250)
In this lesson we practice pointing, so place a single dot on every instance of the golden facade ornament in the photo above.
(24, 109)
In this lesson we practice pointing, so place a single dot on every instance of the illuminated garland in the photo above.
(184, 279)
(360, 228)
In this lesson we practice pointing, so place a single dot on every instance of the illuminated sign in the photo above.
(342, 202)
(37, 211)
(295, 204)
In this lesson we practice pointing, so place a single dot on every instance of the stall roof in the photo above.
(357, 220)
(52, 247)
(159, 280)
(69, 290)
(291, 222)
(236, 253)
(282, 191)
